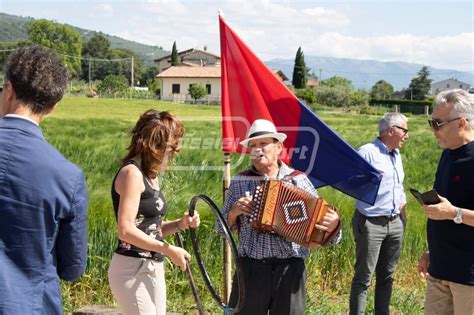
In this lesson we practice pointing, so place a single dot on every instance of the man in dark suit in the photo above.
(43, 197)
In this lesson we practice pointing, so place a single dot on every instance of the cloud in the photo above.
(195, 24)
(453, 52)
(164, 8)
(327, 18)
(102, 10)
(273, 29)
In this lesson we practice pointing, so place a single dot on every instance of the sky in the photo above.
(437, 33)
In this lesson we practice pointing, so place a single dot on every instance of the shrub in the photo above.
(359, 98)
(154, 86)
(333, 96)
(78, 87)
(197, 91)
(307, 95)
(113, 85)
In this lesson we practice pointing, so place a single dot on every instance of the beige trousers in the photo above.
(446, 297)
(138, 285)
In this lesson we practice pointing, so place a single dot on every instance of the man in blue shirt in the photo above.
(43, 197)
(273, 267)
(378, 229)
(449, 262)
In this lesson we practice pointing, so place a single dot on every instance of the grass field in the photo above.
(93, 133)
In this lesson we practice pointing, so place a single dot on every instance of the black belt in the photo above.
(387, 217)
(382, 217)
(272, 261)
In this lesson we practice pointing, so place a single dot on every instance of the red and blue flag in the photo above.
(251, 91)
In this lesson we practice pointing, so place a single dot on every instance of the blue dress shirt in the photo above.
(391, 195)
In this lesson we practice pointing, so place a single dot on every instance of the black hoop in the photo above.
(189, 273)
(228, 236)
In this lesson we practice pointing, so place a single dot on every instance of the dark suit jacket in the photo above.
(43, 220)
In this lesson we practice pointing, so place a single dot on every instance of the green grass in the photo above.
(93, 133)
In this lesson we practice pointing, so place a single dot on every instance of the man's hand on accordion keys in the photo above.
(243, 206)
(329, 222)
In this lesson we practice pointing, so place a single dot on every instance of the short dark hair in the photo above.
(38, 78)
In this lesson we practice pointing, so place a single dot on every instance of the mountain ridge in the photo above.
(365, 73)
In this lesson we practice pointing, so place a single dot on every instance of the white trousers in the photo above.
(138, 285)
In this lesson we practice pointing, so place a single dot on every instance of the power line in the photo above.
(89, 60)
(76, 57)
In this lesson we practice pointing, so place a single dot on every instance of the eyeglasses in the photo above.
(436, 124)
(405, 130)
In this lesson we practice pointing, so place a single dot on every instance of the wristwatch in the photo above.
(458, 217)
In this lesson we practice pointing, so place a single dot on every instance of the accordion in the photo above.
(289, 212)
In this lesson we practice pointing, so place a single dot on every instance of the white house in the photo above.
(175, 82)
(190, 58)
(448, 84)
(195, 66)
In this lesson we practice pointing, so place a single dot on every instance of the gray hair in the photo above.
(389, 120)
(462, 104)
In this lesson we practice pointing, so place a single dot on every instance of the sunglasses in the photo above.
(405, 130)
(436, 124)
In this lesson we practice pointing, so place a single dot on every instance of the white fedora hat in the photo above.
(262, 128)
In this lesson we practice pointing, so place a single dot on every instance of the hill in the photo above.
(365, 73)
(13, 28)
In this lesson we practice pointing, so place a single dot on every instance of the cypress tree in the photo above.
(300, 71)
(174, 55)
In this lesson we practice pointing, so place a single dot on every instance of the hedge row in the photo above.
(392, 102)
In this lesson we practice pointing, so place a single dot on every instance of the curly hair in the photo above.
(37, 77)
(154, 134)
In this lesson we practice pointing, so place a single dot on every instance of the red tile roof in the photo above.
(191, 72)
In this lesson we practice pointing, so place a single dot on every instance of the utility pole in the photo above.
(131, 74)
(320, 75)
(90, 74)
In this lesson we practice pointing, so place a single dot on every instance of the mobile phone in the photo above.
(427, 198)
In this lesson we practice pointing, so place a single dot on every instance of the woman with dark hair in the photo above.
(136, 273)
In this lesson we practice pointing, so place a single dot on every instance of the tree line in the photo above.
(339, 91)
(92, 60)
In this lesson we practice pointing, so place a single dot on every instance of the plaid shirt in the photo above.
(261, 245)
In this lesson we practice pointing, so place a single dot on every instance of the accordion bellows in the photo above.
(290, 212)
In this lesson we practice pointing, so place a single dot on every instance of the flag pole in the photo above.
(227, 256)
(227, 260)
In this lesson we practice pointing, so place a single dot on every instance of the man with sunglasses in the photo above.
(449, 260)
(378, 229)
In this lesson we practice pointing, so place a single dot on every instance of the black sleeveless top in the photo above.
(151, 210)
